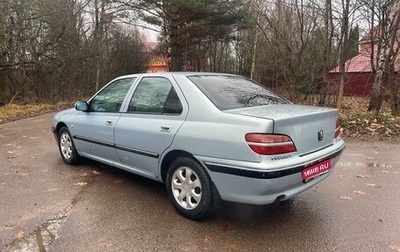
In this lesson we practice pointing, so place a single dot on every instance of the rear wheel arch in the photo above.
(169, 158)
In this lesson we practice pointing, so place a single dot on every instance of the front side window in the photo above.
(111, 97)
(155, 95)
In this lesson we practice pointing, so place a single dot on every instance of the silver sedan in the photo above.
(207, 136)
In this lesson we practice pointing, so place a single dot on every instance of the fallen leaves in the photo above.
(360, 192)
(96, 172)
(395, 247)
(368, 126)
(14, 152)
(373, 185)
(208, 240)
(368, 184)
(232, 246)
(81, 184)
(106, 244)
(20, 235)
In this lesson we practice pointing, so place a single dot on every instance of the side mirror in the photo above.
(82, 106)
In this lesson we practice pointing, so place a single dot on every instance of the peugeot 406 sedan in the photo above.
(207, 136)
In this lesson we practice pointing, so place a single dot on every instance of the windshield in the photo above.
(232, 92)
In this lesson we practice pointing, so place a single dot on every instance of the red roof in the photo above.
(358, 64)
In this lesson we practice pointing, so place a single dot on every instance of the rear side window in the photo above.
(155, 95)
(232, 92)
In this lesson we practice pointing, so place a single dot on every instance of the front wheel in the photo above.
(67, 147)
(189, 188)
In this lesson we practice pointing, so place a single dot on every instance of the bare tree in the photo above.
(327, 45)
(51, 49)
(297, 45)
(385, 51)
(347, 11)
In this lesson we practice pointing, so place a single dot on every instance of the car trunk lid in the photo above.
(310, 128)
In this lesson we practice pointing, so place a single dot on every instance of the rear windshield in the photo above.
(232, 92)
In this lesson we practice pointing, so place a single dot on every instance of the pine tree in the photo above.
(187, 22)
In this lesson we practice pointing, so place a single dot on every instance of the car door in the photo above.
(93, 130)
(146, 130)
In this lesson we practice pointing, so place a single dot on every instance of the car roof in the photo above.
(174, 73)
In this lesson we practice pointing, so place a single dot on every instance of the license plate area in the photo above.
(316, 170)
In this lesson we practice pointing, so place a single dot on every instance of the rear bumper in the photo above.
(261, 187)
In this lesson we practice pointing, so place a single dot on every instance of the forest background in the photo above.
(53, 52)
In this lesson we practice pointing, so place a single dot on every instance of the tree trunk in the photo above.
(176, 50)
(343, 50)
(394, 97)
(342, 78)
(3, 86)
(384, 77)
(254, 54)
(98, 41)
(326, 51)
(375, 102)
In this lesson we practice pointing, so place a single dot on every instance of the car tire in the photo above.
(190, 188)
(67, 147)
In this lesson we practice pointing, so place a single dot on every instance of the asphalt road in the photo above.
(46, 205)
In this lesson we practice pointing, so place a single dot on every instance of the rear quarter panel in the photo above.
(209, 132)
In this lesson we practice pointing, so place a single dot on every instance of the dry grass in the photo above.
(12, 112)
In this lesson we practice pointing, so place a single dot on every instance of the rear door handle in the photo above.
(165, 128)
(108, 123)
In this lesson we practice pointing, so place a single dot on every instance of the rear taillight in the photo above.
(337, 129)
(270, 144)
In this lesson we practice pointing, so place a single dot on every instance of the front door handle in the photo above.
(109, 123)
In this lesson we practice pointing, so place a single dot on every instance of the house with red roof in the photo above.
(359, 73)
